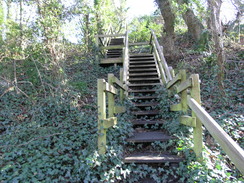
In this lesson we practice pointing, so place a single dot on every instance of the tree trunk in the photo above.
(194, 25)
(169, 22)
(21, 24)
(215, 23)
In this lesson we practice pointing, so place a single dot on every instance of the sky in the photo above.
(140, 7)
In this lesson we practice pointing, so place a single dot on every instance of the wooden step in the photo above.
(141, 59)
(144, 84)
(143, 70)
(144, 79)
(140, 55)
(146, 113)
(142, 66)
(143, 62)
(142, 74)
(139, 137)
(148, 122)
(145, 97)
(149, 157)
(142, 91)
(147, 104)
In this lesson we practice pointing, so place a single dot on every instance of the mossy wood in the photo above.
(177, 85)
(107, 88)
(230, 147)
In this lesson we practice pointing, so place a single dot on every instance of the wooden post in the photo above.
(183, 93)
(197, 131)
(121, 93)
(101, 102)
(110, 97)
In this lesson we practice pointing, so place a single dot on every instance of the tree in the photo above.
(216, 28)
(194, 25)
(169, 26)
(50, 15)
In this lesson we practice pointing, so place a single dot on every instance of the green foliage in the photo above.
(140, 28)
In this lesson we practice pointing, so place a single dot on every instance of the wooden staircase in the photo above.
(143, 80)
(114, 52)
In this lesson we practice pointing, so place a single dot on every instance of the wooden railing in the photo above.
(188, 91)
(158, 53)
(126, 59)
(105, 121)
(102, 41)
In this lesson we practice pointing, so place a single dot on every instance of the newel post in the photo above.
(197, 131)
(101, 102)
(111, 97)
(121, 93)
(183, 93)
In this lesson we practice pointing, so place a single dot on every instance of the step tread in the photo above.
(142, 91)
(149, 112)
(149, 157)
(145, 97)
(144, 79)
(141, 55)
(141, 58)
(146, 70)
(145, 84)
(142, 66)
(147, 104)
(149, 137)
(142, 62)
(144, 121)
(143, 74)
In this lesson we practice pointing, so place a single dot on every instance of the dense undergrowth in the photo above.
(49, 135)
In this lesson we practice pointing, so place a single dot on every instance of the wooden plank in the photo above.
(184, 85)
(120, 84)
(110, 88)
(126, 59)
(101, 102)
(119, 109)
(107, 123)
(111, 97)
(121, 92)
(113, 47)
(160, 52)
(151, 158)
(197, 131)
(176, 107)
(174, 80)
(230, 147)
(161, 69)
(149, 137)
(139, 44)
(112, 35)
(183, 94)
(188, 120)
(111, 61)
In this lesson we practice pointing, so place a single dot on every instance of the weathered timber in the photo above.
(101, 102)
(230, 147)
(139, 137)
(197, 131)
(188, 121)
(152, 158)
(111, 61)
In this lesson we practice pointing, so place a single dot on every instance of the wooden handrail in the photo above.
(126, 59)
(158, 50)
(200, 116)
(230, 147)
